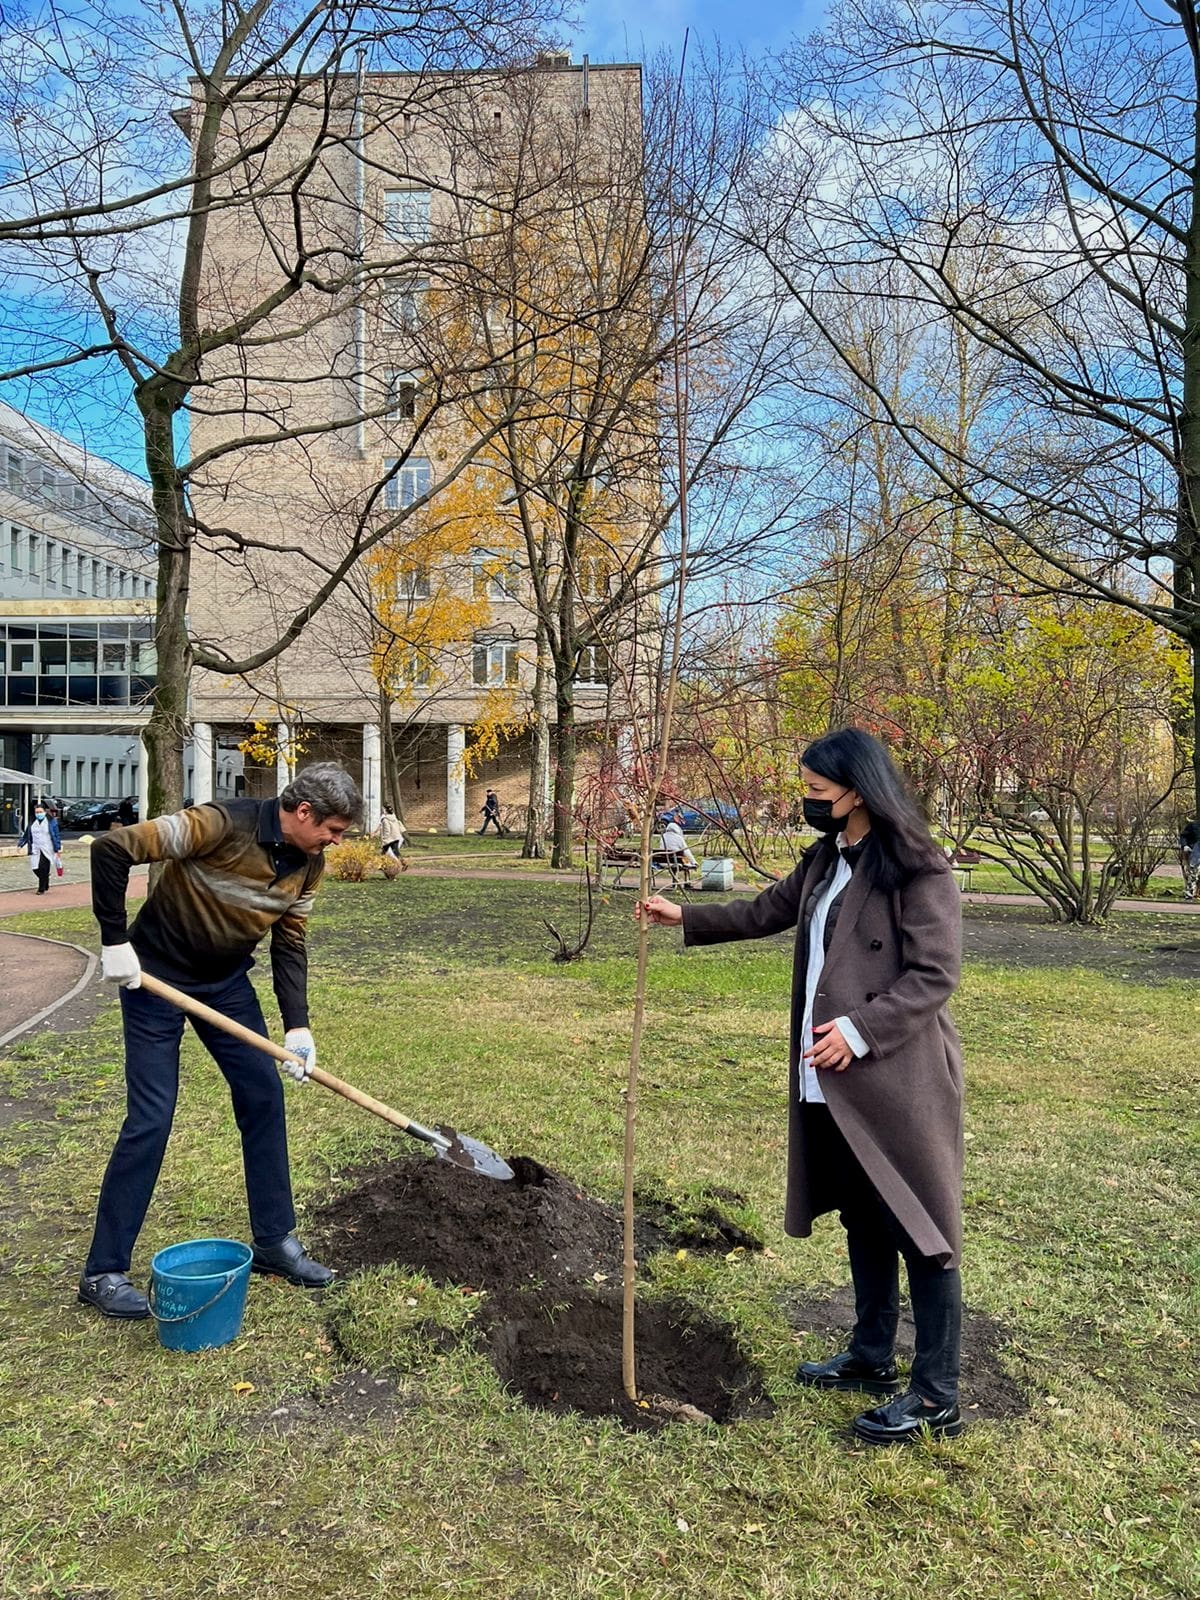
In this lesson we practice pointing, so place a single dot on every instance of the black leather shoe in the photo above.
(848, 1372)
(112, 1294)
(907, 1417)
(292, 1261)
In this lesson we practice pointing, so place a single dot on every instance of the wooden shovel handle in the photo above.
(197, 1008)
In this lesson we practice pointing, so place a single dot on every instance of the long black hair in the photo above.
(900, 844)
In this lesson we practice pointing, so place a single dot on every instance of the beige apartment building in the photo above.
(378, 398)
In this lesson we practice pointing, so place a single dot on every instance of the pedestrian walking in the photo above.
(43, 843)
(391, 833)
(491, 813)
(1189, 857)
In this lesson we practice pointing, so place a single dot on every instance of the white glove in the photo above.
(119, 964)
(300, 1042)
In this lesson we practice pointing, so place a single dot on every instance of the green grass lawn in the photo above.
(130, 1472)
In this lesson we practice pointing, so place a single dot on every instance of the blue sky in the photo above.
(629, 30)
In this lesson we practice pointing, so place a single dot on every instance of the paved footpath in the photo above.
(34, 975)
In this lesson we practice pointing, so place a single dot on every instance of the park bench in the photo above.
(617, 860)
(961, 864)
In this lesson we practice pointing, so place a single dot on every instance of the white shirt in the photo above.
(40, 840)
(810, 1076)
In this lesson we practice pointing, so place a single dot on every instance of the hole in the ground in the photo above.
(564, 1354)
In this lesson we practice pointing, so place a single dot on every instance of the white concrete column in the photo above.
(456, 779)
(372, 776)
(283, 775)
(202, 762)
(143, 783)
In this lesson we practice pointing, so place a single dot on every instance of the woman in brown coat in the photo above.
(875, 1087)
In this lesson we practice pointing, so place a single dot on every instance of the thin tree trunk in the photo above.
(564, 775)
(387, 741)
(534, 847)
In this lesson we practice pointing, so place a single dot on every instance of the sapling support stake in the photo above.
(656, 775)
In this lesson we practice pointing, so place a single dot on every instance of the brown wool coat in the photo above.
(892, 964)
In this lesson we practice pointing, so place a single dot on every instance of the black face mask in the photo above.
(819, 814)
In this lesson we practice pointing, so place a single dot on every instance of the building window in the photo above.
(80, 496)
(413, 584)
(64, 774)
(404, 302)
(495, 662)
(406, 482)
(593, 665)
(31, 565)
(79, 789)
(52, 567)
(49, 487)
(14, 549)
(401, 396)
(592, 577)
(16, 471)
(417, 669)
(406, 215)
(493, 577)
(76, 663)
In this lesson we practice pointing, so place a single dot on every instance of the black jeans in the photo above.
(876, 1241)
(43, 874)
(153, 1029)
(491, 817)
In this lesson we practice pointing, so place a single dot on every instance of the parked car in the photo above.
(705, 814)
(97, 816)
(79, 813)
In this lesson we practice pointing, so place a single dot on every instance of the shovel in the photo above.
(448, 1145)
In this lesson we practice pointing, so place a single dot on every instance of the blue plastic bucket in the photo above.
(198, 1292)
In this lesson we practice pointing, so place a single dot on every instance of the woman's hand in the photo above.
(829, 1049)
(659, 912)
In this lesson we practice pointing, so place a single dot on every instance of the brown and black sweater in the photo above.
(229, 877)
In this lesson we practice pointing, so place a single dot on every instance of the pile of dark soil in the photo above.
(987, 1390)
(537, 1229)
(534, 1244)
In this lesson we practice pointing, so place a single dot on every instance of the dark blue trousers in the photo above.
(153, 1030)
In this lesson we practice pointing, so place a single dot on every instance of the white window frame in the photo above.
(414, 583)
(403, 394)
(404, 301)
(407, 482)
(407, 212)
(418, 669)
(493, 576)
(593, 575)
(495, 663)
(593, 665)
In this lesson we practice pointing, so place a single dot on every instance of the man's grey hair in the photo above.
(328, 789)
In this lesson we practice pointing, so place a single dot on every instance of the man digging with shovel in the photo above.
(231, 872)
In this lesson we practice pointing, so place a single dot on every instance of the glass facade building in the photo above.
(64, 662)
